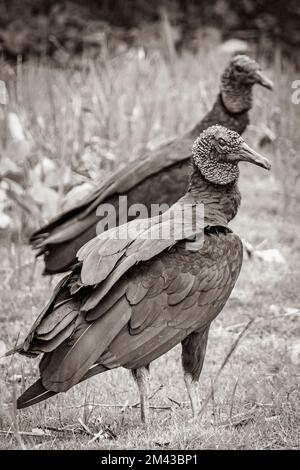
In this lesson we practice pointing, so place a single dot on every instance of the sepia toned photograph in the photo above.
(149, 228)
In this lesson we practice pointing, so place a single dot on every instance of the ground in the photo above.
(254, 402)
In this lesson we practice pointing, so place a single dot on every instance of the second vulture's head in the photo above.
(237, 81)
(217, 152)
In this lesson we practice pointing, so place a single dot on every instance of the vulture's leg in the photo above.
(193, 353)
(141, 377)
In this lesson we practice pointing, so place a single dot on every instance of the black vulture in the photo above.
(129, 300)
(161, 176)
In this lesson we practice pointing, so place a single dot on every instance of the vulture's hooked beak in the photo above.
(263, 80)
(247, 154)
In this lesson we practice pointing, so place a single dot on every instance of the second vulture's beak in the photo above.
(263, 80)
(247, 154)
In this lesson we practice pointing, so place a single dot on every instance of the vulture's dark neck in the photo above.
(220, 114)
(236, 97)
(221, 201)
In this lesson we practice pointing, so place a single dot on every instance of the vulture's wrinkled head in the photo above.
(237, 81)
(217, 152)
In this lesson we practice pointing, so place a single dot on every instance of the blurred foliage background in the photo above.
(60, 29)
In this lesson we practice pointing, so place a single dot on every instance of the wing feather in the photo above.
(96, 269)
(68, 364)
(46, 346)
(96, 309)
(60, 317)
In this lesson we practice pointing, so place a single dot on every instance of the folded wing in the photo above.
(136, 313)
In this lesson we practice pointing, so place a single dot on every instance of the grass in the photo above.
(120, 107)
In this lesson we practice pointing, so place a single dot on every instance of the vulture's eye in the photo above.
(221, 142)
(239, 68)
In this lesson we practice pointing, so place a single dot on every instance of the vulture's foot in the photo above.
(192, 387)
(141, 377)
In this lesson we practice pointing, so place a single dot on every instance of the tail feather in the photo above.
(94, 370)
(37, 392)
(34, 394)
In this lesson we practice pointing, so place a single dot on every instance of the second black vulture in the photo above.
(129, 300)
(160, 177)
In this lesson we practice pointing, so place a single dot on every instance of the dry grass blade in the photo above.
(98, 435)
(85, 427)
(136, 405)
(232, 398)
(26, 433)
(14, 418)
(104, 433)
(228, 356)
(177, 403)
(240, 419)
